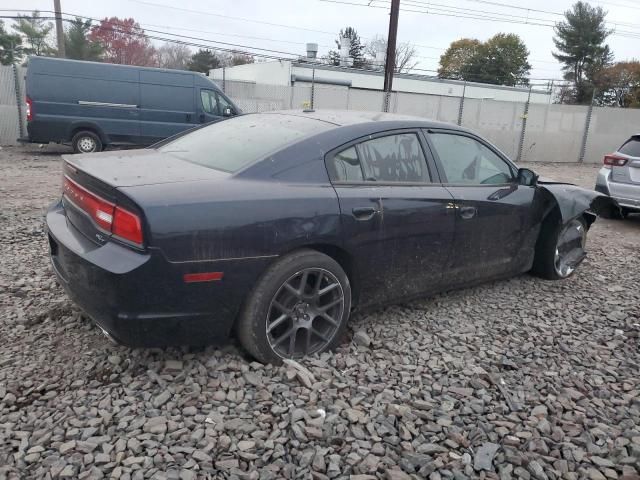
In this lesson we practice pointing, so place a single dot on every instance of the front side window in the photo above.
(394, 158)
(223, 104)
(209, 102)
(466, 160)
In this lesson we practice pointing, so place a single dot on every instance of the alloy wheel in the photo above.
(570, 248)
(305, 313)
(87, 145)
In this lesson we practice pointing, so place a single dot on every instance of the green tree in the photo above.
(77, 43)
(580, 40)
(36, 33)
(501, 60)
(619, 85)
(356, 50)
(456, 57)
(203, 61)
(10, 46)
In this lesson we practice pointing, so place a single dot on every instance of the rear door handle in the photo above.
(188, 117)
(364, 213)
(467, 213)
(202, 118)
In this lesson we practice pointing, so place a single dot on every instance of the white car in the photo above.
(620, 176)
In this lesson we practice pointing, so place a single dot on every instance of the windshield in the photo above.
(232, 144)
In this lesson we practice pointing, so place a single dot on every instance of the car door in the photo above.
(398, 221)
(497, 220)
(213, 106)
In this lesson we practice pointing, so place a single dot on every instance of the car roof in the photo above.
(342, 118)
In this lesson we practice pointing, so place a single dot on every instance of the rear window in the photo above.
(631, 147)
(232, 144)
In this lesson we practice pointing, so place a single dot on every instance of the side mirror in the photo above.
(227, 112)
(527, 177)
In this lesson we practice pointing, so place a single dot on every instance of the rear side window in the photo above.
(232, 144)
(345, 166)
(394, 158)
(631, 147)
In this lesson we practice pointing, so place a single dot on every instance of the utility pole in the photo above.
(391, 46)
(59, 29)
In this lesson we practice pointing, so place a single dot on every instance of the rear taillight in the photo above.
(29, 110)
(106, 215)
(127, 225)
(614, 161)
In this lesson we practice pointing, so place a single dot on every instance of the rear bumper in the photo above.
(627, 195)
(140, 299)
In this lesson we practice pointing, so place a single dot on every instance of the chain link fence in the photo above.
(530, 132)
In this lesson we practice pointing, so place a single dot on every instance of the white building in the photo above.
(288, 73)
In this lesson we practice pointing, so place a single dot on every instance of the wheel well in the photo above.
(345, 260)
(89, 128)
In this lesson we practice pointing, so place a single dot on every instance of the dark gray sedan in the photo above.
(275, 226)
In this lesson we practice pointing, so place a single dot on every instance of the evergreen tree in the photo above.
(580, 40)
(203, 61)
(10, 46)
(36, 33)
(77, 44)
(356, 50)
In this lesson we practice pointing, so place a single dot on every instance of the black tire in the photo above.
(275, 283)
(544, 263)
(86, 141)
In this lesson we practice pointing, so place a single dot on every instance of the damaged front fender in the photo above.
(573, 201)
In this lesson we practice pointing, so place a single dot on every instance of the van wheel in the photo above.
(85, 141)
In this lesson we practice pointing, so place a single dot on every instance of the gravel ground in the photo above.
(515, 379)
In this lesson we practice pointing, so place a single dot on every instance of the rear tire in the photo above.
(284, 318)
(86, 141)
(554, 246)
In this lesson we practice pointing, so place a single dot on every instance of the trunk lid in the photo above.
(128, 168)
(97, 178)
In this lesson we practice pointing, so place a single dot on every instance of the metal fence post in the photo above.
(224, 80)
(461, 107)
(313, 86)
(524, 125)
(587, 124)
(16, 82)
(385, 101)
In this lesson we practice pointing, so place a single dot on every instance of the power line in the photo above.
(462, 14)
(189, 42)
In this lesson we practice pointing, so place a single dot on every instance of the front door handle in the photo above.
(364, 213)
(188, 115)
(202, 118)
(467, 213)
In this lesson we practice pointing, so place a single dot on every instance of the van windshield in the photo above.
(232, 144)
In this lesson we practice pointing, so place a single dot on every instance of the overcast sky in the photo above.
(286, 25)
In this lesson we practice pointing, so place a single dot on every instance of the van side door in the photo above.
(166, 104)
(212, 105)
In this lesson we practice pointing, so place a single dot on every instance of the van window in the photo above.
(223, 104)
(209, 102)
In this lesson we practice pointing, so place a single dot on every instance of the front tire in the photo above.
(86, 141)
(300, 306)
(560, 247)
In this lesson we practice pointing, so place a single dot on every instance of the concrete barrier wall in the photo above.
(551, 133)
